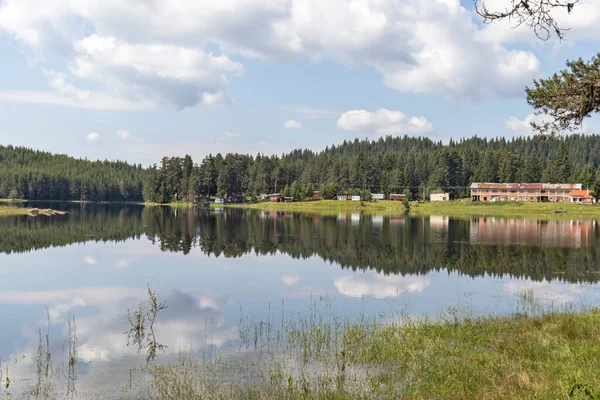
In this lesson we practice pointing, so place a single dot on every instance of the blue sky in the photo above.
(137, 80)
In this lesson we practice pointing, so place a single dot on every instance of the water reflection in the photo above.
(398, 245)
(217, 270)
(524, 232)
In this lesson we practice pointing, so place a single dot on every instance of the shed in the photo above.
(439, 197)
(397, 197)
(275, 197)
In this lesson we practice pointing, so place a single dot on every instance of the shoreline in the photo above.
(455, 208)
(6, 211)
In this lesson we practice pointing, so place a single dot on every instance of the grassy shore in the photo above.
(453, 208)
(529, 355)
(517, 209)
(552, 356)
(7, 211)
(330, 206)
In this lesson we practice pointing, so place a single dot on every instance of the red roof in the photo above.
(584, 194)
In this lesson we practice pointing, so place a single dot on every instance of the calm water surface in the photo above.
(214, 268)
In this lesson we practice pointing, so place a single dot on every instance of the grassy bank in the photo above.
(330, 206)
(453, 208)
(179, 204)
(9, 210)
(6, 211)
(517, 209)
(553, 356)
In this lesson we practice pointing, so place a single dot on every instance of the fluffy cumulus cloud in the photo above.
(174, 74)
(292, 124)
(140, 51)
(523, 126)
(93, 137)
(383, 122)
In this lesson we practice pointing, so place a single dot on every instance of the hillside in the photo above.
(38, 175)
(414, 166)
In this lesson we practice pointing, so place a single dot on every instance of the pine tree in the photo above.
(509, 164)
(532, 170)
(562, 166)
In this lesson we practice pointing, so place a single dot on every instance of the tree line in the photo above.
(408, 165)
(37, 175)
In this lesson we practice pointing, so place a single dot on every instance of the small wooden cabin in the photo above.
(397, 197)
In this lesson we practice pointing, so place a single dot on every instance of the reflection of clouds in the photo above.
(123, 263)
(188, 321)
(548, 292)
(60, 302)
(379, 286)
(90, 260)
(290, 279)
(90, 296)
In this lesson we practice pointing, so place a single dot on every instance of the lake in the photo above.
(221, 271)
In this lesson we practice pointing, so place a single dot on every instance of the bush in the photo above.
(406, 204)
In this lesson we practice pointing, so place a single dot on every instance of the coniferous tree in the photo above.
(532, 170)
(562, 166)
(509, 166)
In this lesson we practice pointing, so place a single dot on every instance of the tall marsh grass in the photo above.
(540, 352)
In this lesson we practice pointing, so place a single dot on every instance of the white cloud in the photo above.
(379, 286)
(140, 51)
(177, 75)
(91, 260)
(93, 137)
(95, 100)
(292, 124)
(383, 122)
(290, 279)
(523, 126)
(124, 134)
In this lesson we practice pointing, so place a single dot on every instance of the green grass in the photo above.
(453, 208)
(518, 209)
(535, 354)
(181, 204)
(551, 356)
(12, 201)
(7, 211)
(330, 206)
